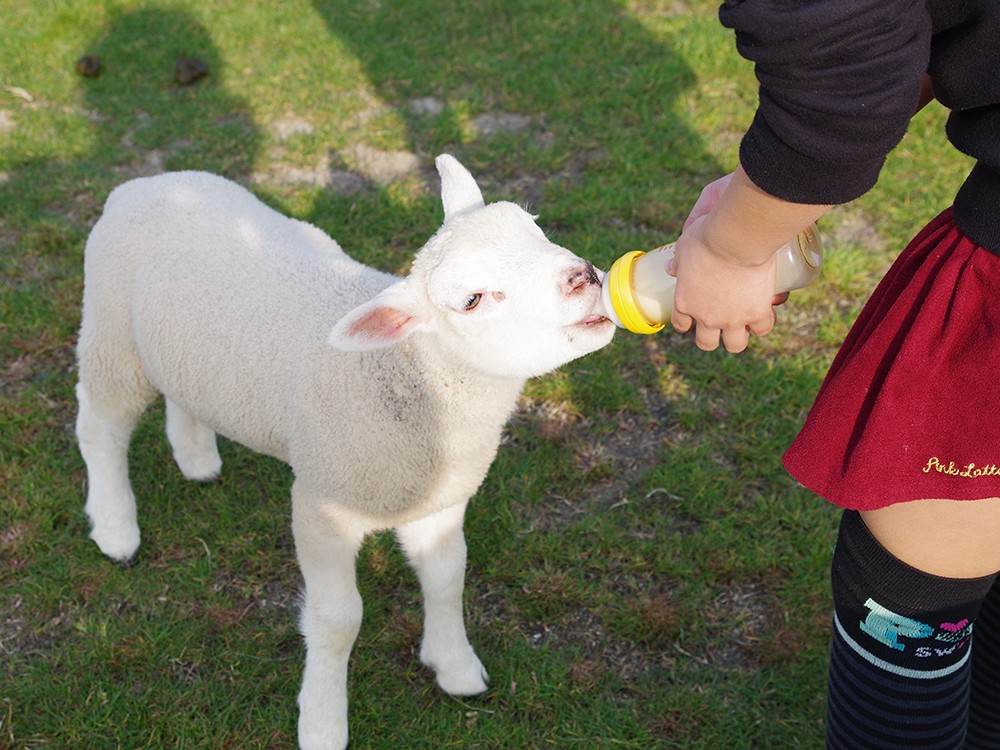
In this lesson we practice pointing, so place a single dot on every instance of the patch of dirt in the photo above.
(318, 175)
(746, 630)
(42, 357)
(289, 127)
(853, 228)
(261, 596)
(609, 466)
(12, 626)
(11, 541)
(380, 167)
(661, 8)
(492, 123)
(22, 633)
(359, 167)
(7, 122)
(150, 164)
(745, 623)
(428, 106)
(600, 651)
(349, 171)
(749, 630)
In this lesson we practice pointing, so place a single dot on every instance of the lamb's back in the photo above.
(225, 294)
(231, 304)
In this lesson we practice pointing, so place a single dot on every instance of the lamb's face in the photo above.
(490, 289)
(509, 301)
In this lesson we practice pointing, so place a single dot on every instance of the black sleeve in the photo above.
(839, 81)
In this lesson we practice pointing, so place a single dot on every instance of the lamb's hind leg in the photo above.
(193, 445)
(103, 433)
(331, 618)
(435, 546)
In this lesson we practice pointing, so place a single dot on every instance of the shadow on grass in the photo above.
(544, 100)
(143, 122)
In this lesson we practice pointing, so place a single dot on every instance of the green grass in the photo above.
(642, 572)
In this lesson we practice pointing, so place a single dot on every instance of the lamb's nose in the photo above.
(580, 277)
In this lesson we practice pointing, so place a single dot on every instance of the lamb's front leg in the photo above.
(331, 618)
(435, 546)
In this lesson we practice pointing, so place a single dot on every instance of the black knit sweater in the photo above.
(840, 80)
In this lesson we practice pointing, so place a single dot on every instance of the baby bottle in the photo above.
(638, 293)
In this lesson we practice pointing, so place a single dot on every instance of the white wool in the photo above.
(387, 396)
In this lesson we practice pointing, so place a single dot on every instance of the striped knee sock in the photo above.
(899, 661)
(984, 703)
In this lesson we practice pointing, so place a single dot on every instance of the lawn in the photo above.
(642, 572)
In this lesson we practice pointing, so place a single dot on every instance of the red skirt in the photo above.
(910, 409)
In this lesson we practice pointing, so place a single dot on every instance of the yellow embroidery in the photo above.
(968, 471)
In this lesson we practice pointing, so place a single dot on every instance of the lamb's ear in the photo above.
(459, 191)
(386, 319)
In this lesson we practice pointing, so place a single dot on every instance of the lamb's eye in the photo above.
(472, 301)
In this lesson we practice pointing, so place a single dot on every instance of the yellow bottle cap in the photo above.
(619, 283)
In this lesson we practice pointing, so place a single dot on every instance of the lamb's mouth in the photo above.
(590, 322)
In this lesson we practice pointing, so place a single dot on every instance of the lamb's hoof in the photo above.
(200, 467)
(464, 685)
(463, 677)
(128, 563)
(120, 545)
(325, 735)
(206, 478)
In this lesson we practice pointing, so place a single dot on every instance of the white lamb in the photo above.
(386, 396)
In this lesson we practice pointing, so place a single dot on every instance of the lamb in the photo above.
(387, 396)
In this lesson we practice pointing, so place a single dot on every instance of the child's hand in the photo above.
(720, 298)
(710, 195)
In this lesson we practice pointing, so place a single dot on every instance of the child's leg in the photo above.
(984, 706)
(899, 665)
(944, 537)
